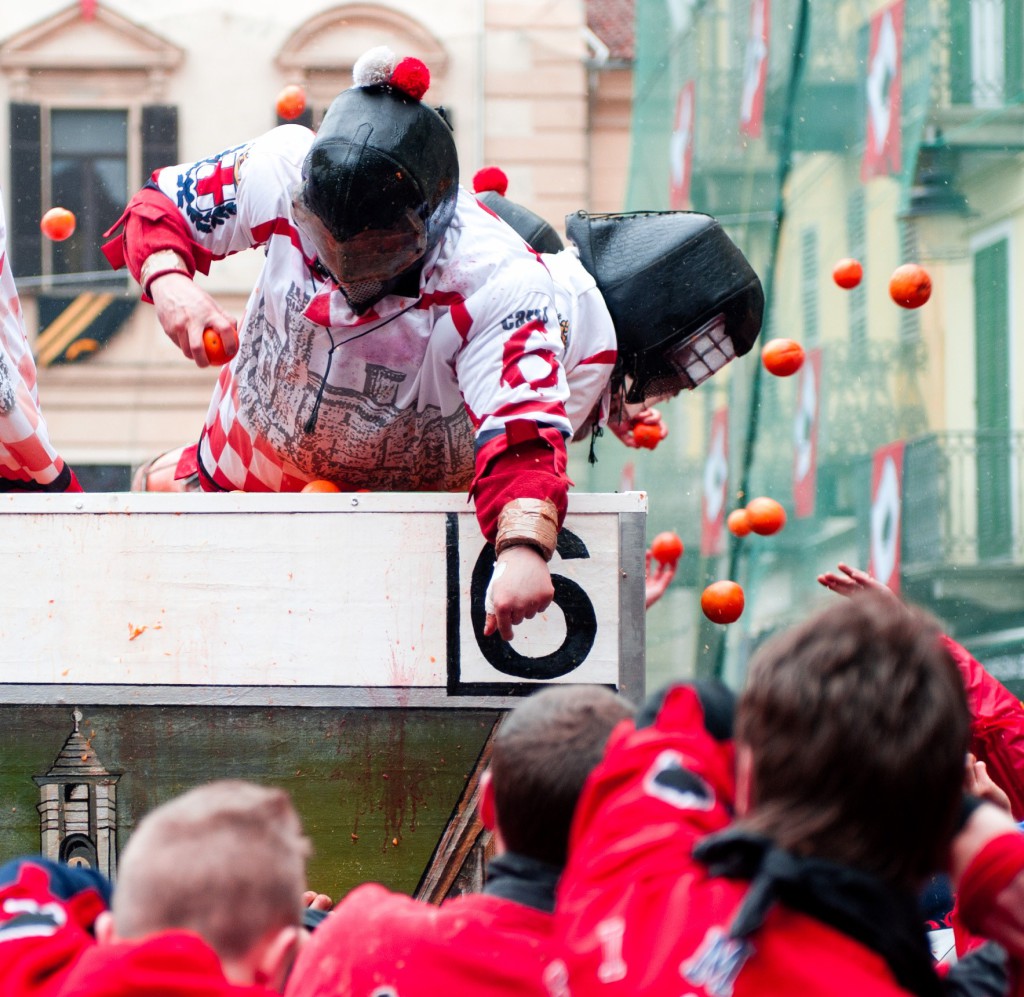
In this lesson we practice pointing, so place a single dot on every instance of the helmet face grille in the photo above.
(708, 350)
(685, 365)
(362, 293)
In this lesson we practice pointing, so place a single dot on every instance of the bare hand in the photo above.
(317, 901)
(520, 588)
(185, 311)
(622, 418)
(657, 578)
(848, 581)
(979, 783)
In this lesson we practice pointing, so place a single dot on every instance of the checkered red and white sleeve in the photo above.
(28, 460)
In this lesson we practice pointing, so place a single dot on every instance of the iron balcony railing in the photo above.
(962, 494)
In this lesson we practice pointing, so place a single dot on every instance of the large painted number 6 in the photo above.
(580, 619)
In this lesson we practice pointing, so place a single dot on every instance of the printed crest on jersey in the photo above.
(717, 963)
(206, 191)
(30, 919)
(516, 319)
(669, 780)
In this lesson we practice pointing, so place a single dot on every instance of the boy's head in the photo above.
(542, 754)
(854, 728)
(226, 860)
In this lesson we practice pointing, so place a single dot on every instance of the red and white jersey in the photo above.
(27, 459)
(398, 397)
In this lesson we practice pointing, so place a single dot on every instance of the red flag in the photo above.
(886, 514)
(755, 69)
(716, 479)
(882, 154)
(681, 147)
(87, 8)
(805, 435)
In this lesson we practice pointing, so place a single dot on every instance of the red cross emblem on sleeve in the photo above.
(215, 182)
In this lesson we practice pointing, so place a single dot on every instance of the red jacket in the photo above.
(47, 949)
(377, 942)
(168, 964)
(639, 914)
(997, 728)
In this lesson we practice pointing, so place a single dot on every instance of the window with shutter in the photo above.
(992, 399)
(159, 138)
(809, 285)
(88, 170)
(857, 248)
(25, 241)
(1014, 40)
(910, 319)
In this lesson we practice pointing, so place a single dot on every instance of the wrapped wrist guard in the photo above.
(163, 261)
(528, 521)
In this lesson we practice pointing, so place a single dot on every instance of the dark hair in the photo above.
(858, 726)
(542, 754)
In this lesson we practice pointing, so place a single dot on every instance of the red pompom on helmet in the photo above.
(412, 77)
(490, 178)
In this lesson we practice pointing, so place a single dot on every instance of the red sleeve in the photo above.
(997, 729)
(990, 902)
(526, 461)
(150, 223)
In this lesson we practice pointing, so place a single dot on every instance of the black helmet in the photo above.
(683, 298)
(382, 167)
(489, 186)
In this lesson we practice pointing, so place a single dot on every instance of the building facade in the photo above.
(101, 92)
(892, 132)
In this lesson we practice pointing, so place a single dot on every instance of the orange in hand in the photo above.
(213, 343)
(320, 485)
(58, 224)
(910, 286)
(666, 548)
(782, 357)
(722, 602)
(766, 516)
(738, 522)
(848, 273)
(648, 435)
(291, 102)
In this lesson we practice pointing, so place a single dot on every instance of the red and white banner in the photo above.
(681, 147)
(886, 514)
(755, 69)
(716, 480)
(627, 477)
(882, 153)
(805, 435)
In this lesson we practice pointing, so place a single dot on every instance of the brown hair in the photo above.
(857, 724)
(543, 752)
(225, 860)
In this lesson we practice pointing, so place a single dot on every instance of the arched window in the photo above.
(320, 54)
